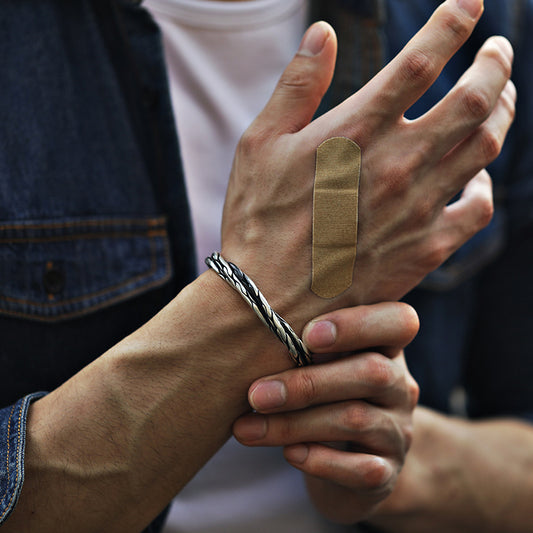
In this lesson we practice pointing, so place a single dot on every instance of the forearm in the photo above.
(112, 446)
(463, 476)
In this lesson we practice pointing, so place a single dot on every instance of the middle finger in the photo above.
(366, 426)
(471, 101)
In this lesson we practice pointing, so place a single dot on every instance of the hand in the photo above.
(445, 492)
(410, 169)
(361, 400)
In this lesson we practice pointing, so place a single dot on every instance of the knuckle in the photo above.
(417, 66)
(252, 139)
(306, 388)
(397, 182)
(413, 392)
(407, 433)
(398, 179)
(355, 417)
(423, 211)
(490, 144)
(296, 80)
(509, 97)
(510, 106)
(484, 213)
(456, 26)
(476, 102)
(417, 158)
(400, 173)
(377, 479)
(409, 321)
(284, 433)
(383, 373)
(437, 251)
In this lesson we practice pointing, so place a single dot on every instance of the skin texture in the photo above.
(108, 449)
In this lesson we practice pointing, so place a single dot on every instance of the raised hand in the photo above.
(410, 169)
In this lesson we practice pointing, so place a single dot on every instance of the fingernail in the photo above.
(320, 334)
(296, 454)
(472, 7)
(250, 428)
(314, 39)
(268, 394)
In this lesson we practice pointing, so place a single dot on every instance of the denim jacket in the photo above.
(94, 225)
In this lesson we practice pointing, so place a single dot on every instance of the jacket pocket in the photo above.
(54, 270)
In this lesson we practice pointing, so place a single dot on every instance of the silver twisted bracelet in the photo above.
(233, 275)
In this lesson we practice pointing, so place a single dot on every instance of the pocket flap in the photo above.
(54, 270)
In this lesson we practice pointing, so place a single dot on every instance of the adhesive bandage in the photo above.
(335, 216)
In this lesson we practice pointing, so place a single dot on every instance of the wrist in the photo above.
(213, 329)
(247, 289)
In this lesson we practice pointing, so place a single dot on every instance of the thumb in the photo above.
(304, 82)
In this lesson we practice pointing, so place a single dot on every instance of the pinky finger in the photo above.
(462, 219)
(371, 476)
(482, 147)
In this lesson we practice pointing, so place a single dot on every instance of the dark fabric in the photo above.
(95, 235)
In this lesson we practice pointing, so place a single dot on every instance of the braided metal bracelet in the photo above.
(233, 275)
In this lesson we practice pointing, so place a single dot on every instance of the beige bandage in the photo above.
(335, 214)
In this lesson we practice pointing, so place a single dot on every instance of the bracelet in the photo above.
(233, 275)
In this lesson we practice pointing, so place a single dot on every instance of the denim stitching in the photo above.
(7, 466)
(86, 236)
(155, 221)
(101, 305)
(117, 286)
(89, 309)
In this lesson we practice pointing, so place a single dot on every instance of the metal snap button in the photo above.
(53, 279)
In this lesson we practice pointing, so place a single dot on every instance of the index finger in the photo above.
(410, 74)
(351, 329)
(370, 377)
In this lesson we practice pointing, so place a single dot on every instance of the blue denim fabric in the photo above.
(49, 282)
(94, 225)
(12, 437)
(478, 336)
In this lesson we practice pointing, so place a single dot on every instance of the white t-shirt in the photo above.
(224, 59)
